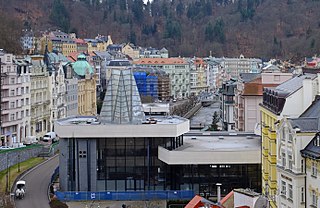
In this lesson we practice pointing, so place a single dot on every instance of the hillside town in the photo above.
(117, 120)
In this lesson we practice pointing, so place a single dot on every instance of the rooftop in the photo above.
(292, 85)
(217, 143)
(160, 61)
(212, 148)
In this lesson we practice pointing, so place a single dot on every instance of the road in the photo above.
(204, 115)
(37, 182)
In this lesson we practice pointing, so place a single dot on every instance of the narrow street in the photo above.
(204, 115)
(37, 183)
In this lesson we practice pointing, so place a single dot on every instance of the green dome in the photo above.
(81, 67)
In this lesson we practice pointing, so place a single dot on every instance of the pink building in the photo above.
(248, 96)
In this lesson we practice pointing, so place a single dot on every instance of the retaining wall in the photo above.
(13, 157)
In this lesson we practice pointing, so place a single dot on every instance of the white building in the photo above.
(15, 100)
(40, 97)
(293, 136)
(58, 94)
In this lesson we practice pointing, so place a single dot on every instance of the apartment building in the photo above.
(40, 97)
(178, 70)
(311, 155)
(289, 99)
(248, 96)
(87, 93)
(15, 100)
(198, 76)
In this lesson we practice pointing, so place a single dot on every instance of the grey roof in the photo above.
(103, 54)
(309, 120)
(306, 124)
(313, 110)
(292, 85)
(312, 150)
(248, 77)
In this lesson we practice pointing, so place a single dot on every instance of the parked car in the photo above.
(50, 136)
(5, 148)
(30, 140)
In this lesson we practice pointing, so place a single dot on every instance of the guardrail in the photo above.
(126, 196)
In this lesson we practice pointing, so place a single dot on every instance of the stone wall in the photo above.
(13, 157)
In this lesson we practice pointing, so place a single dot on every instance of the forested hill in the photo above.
(261, 28)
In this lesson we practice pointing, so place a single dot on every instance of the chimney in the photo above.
(218, 192)
(307, 92)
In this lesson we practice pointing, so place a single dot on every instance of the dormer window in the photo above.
(316, 141)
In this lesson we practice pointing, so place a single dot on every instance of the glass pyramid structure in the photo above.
(122, 104)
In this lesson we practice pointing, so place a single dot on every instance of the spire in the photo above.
(46, 56)
(122, 104)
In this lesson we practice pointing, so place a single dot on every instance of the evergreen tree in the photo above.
(60, 16)
(209, 32)
(180, 8)
(215, 121)
(172, 29)
(137, 9)
(123, 5)
(218, 31)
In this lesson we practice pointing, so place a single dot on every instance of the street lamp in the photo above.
(8, 175)
(19, 162)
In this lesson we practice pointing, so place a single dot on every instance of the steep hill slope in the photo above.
(261, 28)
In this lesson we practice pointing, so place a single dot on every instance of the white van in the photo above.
(50, 136)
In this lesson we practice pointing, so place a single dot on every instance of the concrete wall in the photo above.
(8, 159)
(252, 112)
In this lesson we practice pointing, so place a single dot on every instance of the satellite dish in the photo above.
(261, 202)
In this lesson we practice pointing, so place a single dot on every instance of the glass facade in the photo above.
(132, 164)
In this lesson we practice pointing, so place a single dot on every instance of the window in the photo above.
(302, 166)
(27, 90)
(283, 134)
(276, 77)
(317, 141)
(27, 101)
(290, 161)
(22, 114)
(314, 198)
(302, 194)
(12, 81)
(11, 104)
(283, 188)
(27, 112)
(290, 138)
(314, 169)
(11, 117)
(290, 194)
(283, 157)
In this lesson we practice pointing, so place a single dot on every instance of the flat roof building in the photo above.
(127, 152)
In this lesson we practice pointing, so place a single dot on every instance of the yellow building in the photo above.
(100, 43)
(87, 104)
(290, 99)
(131, 50)
(45, 41)
(69, 46)
(269, 153)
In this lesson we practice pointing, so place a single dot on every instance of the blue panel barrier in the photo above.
(125, 196)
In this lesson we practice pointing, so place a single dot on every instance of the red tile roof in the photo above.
(160, 61)
(255, 87)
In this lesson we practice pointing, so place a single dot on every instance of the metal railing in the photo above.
(126, 196)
